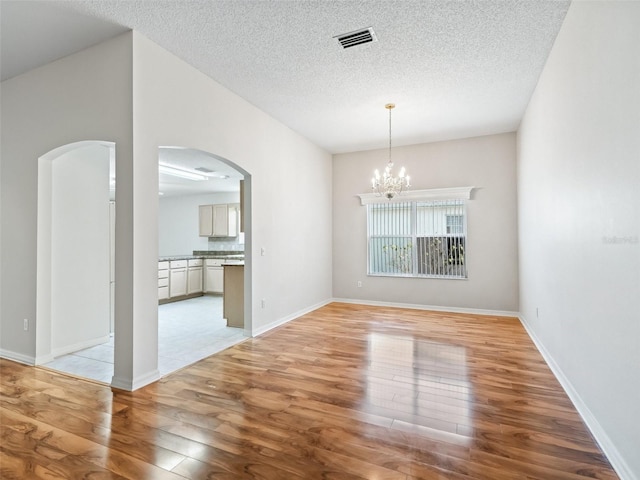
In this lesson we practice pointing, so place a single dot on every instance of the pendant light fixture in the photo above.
(387, 184)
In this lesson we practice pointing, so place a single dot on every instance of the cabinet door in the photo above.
(215, 280)
(163, 293)
(205, 213)
(194, 280)
(177, 282)
(220, 220)
(233, 221)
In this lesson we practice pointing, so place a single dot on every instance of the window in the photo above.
(417, 239)
(455, 224)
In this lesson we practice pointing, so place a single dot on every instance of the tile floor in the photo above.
(188, 331)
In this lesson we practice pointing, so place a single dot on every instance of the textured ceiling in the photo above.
(454, 68)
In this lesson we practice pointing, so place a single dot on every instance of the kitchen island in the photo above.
(233, 300)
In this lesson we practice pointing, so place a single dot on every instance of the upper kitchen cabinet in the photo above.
(218, 220)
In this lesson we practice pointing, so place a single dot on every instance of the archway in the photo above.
(74, 241)
(191, 180)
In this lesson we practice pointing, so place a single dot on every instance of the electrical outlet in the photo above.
(359, 284)
(263, 303)
(26, 325)
(263, 251)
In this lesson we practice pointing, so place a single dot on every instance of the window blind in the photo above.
(421, 238)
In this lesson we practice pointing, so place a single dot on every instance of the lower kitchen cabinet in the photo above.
(194, 276)
(214, 276)
(177, 278)
(163, 280)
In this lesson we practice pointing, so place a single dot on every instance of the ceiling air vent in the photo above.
(358, 37)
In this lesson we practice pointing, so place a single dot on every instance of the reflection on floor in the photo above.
(188, 331)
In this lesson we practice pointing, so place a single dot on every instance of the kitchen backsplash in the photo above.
(235, 244)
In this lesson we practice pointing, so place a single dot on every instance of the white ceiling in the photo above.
(454, 68)
(191, 160)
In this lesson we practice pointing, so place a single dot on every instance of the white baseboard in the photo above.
(130, 385)
(17, 357)
(42, 359)
(58, 352)
(613, 455)
(437, 308)
(288, 318)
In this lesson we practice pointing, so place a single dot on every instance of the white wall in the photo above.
(579, 210)
(485, 162)
(80, 249)
(290, 181)
(93, 95)
(86, 96)
(178, 222)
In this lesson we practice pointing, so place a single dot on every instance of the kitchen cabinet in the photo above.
(219, 220)
(163, 280)
(214, 276)
(205, 220)
(194, 276)
(177, 278)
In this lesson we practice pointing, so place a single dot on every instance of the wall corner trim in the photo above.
(453, 193)
(140, 381)
(608, 447)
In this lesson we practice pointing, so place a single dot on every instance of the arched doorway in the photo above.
(74, 245)
(191, 325)
(75, 181)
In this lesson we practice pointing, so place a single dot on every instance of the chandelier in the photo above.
(387, 184)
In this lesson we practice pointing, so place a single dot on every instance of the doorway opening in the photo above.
(75, 275)
(75, 269)
(200, 235)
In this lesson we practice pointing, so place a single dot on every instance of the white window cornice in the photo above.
(453, 193)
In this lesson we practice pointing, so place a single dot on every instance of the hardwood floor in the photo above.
(345, 392)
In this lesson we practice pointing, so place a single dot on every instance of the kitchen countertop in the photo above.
(204, 255)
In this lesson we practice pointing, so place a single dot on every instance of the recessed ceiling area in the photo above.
(454, 68)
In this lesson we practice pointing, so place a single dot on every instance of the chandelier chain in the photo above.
(389, 135)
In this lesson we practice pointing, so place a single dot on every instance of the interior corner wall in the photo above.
(176, 105)
(488, 163)
(85, 96)
(579, 220)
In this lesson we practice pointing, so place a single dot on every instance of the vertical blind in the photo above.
(426, 239)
